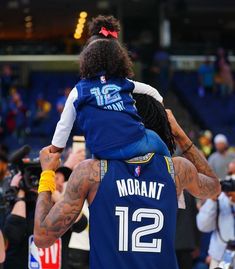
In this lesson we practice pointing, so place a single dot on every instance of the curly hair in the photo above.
(109, 22)
(104, 54)
(155, 118)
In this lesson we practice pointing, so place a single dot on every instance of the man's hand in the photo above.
(48, 160)
(175, 127)
(15, 182)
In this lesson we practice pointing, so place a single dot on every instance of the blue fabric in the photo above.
(112, 207)
(151, 142)
(207, 72)
(107, 114)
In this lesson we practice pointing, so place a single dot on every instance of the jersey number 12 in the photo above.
(137, 244)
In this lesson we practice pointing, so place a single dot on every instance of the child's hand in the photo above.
(54, 149)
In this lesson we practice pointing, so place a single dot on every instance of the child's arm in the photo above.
(65, 125)
(143, 88)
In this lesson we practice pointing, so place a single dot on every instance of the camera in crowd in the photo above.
(29, 169)
(231, 245)
(228, 184)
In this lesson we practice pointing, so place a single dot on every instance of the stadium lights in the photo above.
(81, 21)
(83, 14)
(28, 18)
(28, 24)
(80, 25)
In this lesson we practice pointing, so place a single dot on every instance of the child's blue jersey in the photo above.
(133, 215)
(106, 113)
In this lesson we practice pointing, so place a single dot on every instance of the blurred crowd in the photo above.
(216, 77)
(19, 117)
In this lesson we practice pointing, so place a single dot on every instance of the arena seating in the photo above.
(213, 111)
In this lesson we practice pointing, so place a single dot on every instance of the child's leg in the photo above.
(151, 142)
(155, 143)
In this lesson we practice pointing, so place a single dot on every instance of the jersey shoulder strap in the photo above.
(170, 167)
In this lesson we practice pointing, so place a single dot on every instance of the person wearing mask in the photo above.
(220, 159)
(218, 216)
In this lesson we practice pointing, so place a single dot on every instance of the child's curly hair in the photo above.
(104, 54)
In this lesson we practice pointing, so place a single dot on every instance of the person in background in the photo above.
(220, 159)
(43, 108)
(227, 81)
(162, 70)
(6, 81)
(62, 100)
(205, 143)
(206, 74)
(218, 216)
(186, 232)
(16, 116)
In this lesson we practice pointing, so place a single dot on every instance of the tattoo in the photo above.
(52, 221)
(200, 162)
(187, 177)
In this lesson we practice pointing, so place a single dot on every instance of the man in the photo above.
(221, 158)
(217, 216)
(133, 203)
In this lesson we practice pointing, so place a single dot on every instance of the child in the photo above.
(102, 101)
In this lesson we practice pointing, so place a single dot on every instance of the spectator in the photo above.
(186, 233)
(225, 73)
(220, 54)
(43, 108)
(62, 100)
(217, 216)
(206, 77)
(205, 143)
(220, 159)
(6, 81)
(16, 116)
(162, 70)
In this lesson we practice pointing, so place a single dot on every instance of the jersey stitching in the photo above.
(149, 157)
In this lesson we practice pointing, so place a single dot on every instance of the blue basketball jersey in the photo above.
(106, 113)
(133, 215)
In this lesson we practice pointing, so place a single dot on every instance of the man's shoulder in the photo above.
(214, 156)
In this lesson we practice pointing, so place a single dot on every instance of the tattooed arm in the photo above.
(53, 220)
(192, 172)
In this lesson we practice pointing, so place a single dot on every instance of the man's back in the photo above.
(133, 216)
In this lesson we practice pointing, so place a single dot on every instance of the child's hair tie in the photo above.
(105, 32)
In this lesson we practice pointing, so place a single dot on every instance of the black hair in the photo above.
(65, 171)
(154, 117)
(104, 54)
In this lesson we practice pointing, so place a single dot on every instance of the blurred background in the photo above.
(184, 48)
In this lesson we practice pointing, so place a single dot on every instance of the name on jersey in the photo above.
(118, 106)
(141, 188)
